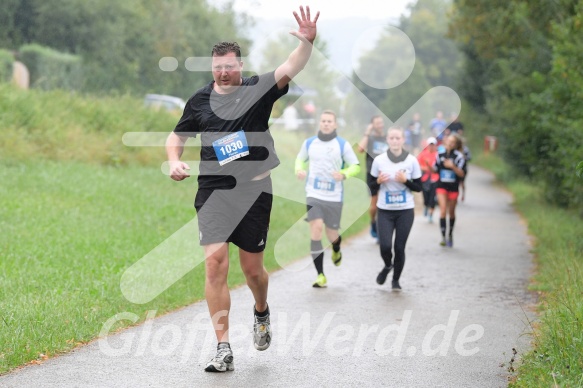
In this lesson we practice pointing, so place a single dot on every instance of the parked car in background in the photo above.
(163, 101)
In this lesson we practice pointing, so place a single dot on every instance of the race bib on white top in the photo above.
(395, 197)
(324, 184)
(231, 147)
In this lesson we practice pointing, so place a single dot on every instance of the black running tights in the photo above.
(397, 223)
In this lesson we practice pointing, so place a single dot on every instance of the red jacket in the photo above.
(427, 161)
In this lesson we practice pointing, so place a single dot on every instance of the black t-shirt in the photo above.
(235, 141)
(376, 145)
(448, 179)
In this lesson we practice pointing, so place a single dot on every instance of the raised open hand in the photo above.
(306, 27)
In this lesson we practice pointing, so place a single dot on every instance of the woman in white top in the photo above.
(398, 173)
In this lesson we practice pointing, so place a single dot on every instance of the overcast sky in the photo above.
(365, 15)
(329, 9)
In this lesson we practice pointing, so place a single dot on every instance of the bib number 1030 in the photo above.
(231, 147)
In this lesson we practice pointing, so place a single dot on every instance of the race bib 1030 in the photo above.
(231, 147)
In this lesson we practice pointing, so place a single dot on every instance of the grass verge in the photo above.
(556, 357)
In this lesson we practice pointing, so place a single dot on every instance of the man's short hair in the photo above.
(223, 48)
(329, 112)
(396, 128)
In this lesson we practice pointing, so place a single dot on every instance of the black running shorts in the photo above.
(240, 215)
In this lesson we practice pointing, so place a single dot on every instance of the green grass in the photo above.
(557, 338)
(69, 231)
(78, 208)
(65, 126)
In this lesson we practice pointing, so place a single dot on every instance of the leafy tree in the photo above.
(6, 60)
(387, 64)
(427, 27)
(121, 43)
(522, 58)
(17, 22)
(560, 106)
(191, 29)
(437, 61)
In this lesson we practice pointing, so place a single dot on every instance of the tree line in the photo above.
(120, 43)
(515, 63)
(435, 62)
(522, 69)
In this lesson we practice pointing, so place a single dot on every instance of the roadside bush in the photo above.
(51, 69)
(6, 61)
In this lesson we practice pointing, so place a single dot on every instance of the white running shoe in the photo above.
(261, 332)
(223, 361)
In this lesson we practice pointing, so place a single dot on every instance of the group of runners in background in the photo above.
(398, 163)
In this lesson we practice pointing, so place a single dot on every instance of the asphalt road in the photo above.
(461, 313)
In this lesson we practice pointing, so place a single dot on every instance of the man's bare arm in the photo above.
(174, 149)
(298, 58)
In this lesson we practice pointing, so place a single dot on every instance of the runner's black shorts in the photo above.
(240, 215)
(330, 212)
(372, 184)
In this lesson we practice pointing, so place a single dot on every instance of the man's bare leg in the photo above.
(258, 281)
(216, 288)
(256, 275)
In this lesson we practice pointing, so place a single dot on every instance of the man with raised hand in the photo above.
(234, 196)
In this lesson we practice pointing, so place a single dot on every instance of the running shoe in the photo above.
(320, 281)
(223, 361)
(337, 258)
(431, 218)
(373, 230)
(396, 286)
(382, 277)
(443, 243)
(261, 332)
(450, 242)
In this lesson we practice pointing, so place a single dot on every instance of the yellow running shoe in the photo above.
(320, 281)
(337, 258)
